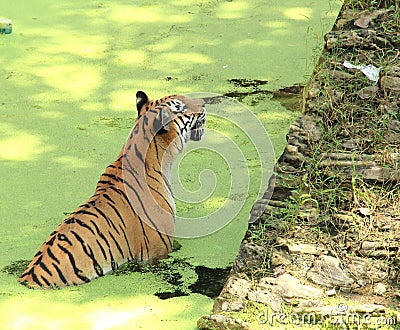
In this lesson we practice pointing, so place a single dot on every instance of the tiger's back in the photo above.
(117, 223)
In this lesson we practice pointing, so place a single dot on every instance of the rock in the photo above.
(285, 288)
(389, 107)
(345, 165)
(380, 174)
(332, 163)
(313, 91)
(394, 125)
(260, 205)
(344, 220)
(379, 289)
(367, 308)
(358, 266)
(230, 305)
(341, 156)
(250, 256)
(367, 17)
(362, 22)
(361, 39)
(326, 272)
(395, 71)
(292, 156)
(366, 271)
(291, 287)
(304, 129)
(294, 127)
(267, 297)
(362, 282)
(331, 292)
(351, 144)
(238, 287)
(232, 295)
(303, 248)
(276, 203)
(338, 74)
(280, 257)
(307, 304)
(345, 17)
(368, 92)
(278, 271)
(317, 310)
(342, 39)
(364, 211)
(367, 245)
(221, 322)
(378, 253)
(390, 84)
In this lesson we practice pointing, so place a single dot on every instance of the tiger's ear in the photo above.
(141, 100)
(161, 124)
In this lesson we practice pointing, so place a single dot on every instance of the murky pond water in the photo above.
(68, 75)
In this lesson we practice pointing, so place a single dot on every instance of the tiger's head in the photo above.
(176, 118)
(162, 130)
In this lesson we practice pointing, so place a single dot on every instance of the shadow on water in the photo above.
(290, 97)
(245, 87)
(210, 281)
(16, 268)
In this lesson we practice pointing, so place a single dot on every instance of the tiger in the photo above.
(131, 215)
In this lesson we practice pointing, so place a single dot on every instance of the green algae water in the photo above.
(68, 76)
